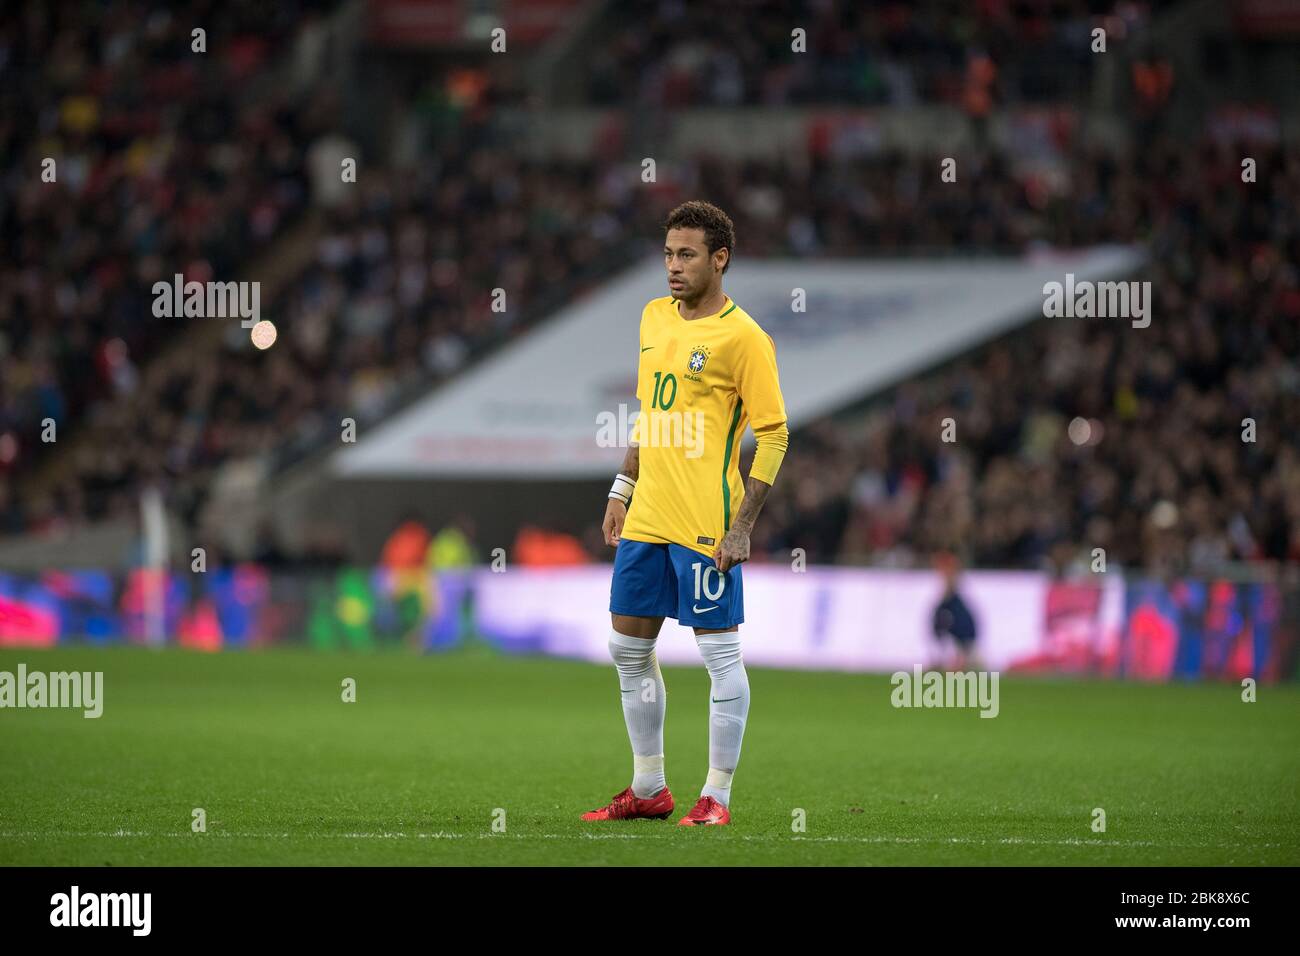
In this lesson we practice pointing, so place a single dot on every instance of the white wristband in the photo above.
(622, 490)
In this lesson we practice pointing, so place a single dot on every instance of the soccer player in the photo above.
(706, 371)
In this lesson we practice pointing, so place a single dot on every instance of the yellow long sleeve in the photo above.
(768, 455)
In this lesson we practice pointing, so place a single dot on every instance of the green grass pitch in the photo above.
(414, 770)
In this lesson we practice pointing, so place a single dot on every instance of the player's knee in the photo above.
(721, 653)
(634, 655)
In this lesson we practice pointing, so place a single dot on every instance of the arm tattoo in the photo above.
(755, 494)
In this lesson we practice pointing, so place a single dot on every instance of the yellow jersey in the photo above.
(700, 382)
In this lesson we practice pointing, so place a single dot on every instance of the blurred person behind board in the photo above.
(953, 619)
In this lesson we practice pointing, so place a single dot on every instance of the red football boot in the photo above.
(706, 812)
(628, 806)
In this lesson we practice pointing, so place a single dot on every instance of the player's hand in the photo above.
(615, 513)
(734, 550)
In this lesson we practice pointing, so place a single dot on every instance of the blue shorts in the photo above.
(669, 580)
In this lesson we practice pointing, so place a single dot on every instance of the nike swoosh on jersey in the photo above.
(647, 348)
(701, 610)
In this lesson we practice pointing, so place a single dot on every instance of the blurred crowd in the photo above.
(127, 158)
(1184, 457)
(160, 165)
(973, 55)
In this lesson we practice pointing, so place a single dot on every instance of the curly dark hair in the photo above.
(719, 232)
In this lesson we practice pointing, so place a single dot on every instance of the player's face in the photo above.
(690, 267)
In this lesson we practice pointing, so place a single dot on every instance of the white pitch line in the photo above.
(766, 838)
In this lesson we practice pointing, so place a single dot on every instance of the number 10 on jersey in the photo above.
(662, 398)
(702, 581)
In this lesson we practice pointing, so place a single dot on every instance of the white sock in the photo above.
(641, 685)
(717, 785)
(728, 708)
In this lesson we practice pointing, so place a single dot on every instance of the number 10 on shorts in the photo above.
(702, 581)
